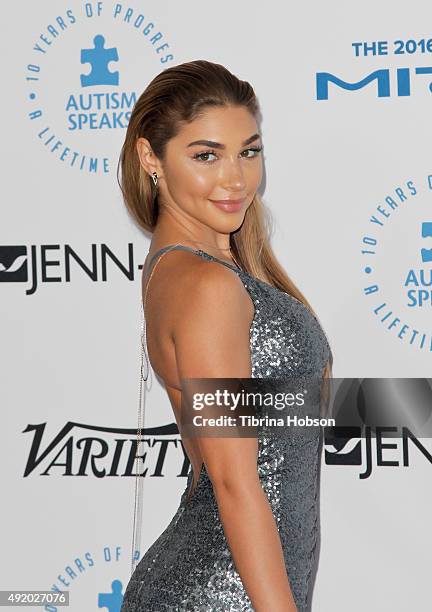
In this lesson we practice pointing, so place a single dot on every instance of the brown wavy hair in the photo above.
(177, 96)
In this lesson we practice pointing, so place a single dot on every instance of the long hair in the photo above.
(176, 96)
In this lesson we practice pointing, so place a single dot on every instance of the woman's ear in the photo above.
(148, 159)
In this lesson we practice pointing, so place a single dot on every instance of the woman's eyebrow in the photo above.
(218, 145)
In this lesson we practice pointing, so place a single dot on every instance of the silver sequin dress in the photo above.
(189, 568)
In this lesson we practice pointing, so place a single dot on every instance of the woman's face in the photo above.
(216, 157)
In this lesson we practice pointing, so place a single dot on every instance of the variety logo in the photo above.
(90, 450)
(55, 263)
(81, 95)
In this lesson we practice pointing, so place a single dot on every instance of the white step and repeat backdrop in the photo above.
(345, 92)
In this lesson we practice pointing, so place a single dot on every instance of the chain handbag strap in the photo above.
(138, 506)
(145, 375)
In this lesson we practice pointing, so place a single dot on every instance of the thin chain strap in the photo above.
(137, 519)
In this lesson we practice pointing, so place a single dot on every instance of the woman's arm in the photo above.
(211, 338)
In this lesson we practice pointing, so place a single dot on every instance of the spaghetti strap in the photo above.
(169, 247)
(183, 247)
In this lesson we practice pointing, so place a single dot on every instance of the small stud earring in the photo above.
(155, 178)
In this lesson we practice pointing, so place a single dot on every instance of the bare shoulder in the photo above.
(186, 282)
(171, 270)
(209, 286)
(211, 329)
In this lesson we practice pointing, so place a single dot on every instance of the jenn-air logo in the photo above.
(13, 264)
(368, 450)
(379, 422)
(80, 449)
(59, 263)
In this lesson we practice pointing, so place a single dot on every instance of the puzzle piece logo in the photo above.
(426, 254)
(99, 58)
(13, 264)
(112, 601)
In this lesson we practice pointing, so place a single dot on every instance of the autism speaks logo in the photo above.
(88, 67)
(90, 576)
(396, 258)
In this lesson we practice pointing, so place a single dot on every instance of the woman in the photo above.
(218, 305)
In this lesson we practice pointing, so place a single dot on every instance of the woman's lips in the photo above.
(229, 205)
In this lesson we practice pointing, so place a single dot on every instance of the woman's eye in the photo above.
(200, 156)
(255, 151)
(204, 157)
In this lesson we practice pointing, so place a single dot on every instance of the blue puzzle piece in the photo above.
(112, 601)
(427, 229)
(99, 58)
(426, 255)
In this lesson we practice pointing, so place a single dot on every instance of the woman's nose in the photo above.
(233, 176)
